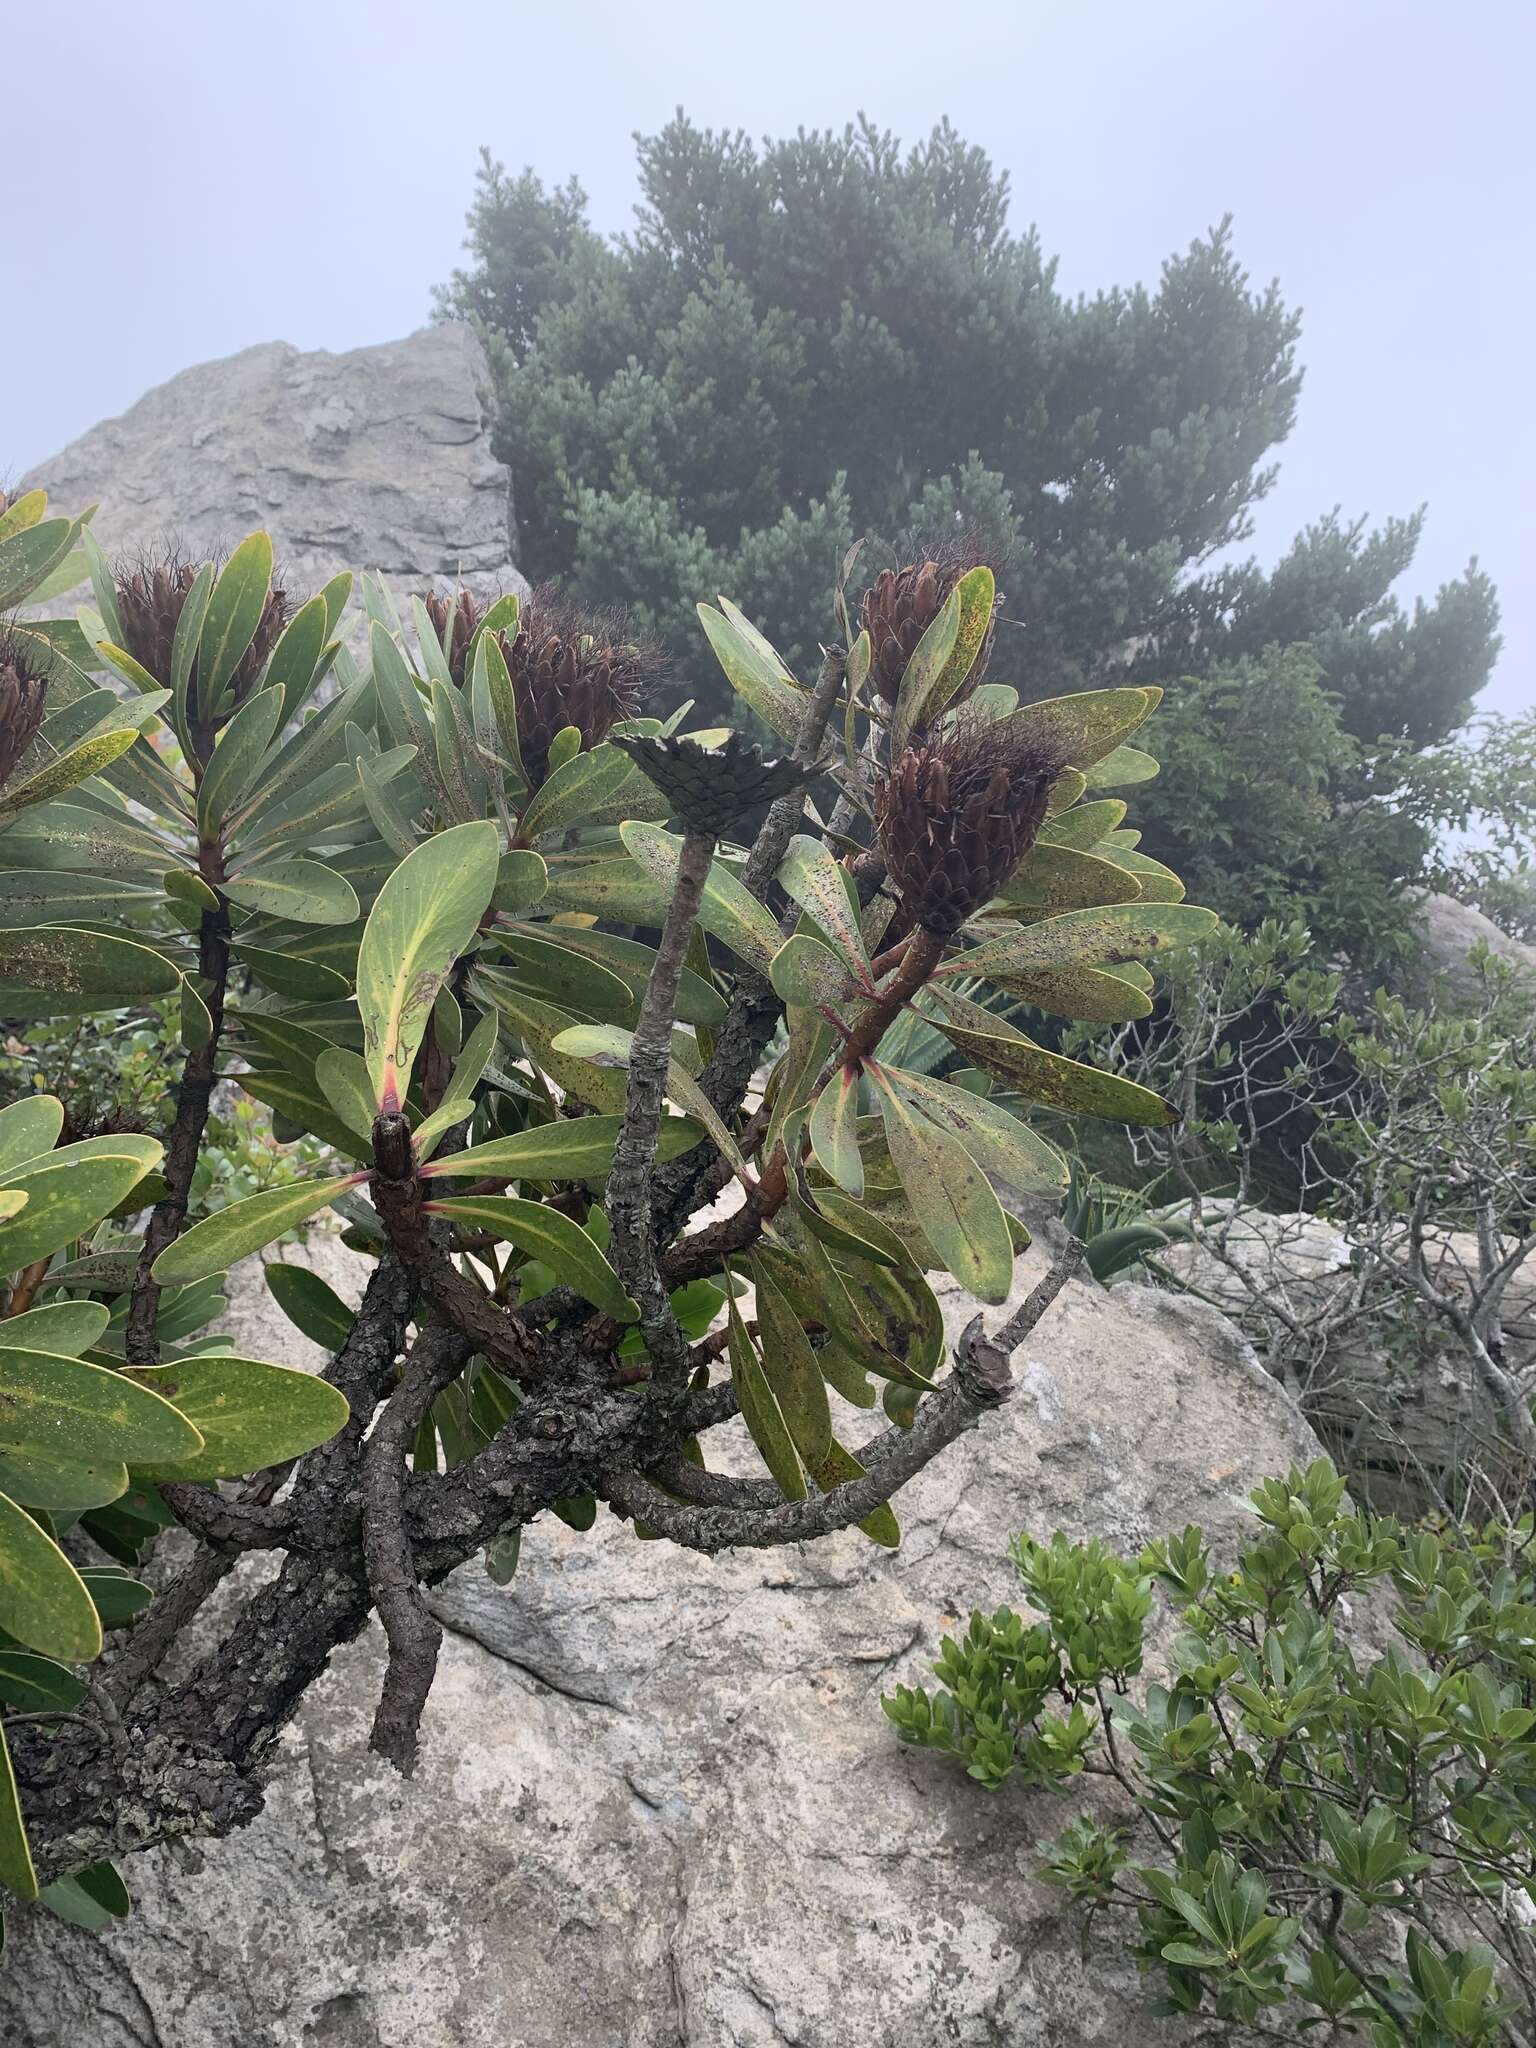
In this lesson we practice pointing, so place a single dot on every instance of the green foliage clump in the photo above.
(1346, 1837)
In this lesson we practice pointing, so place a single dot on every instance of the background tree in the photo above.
(683, 409)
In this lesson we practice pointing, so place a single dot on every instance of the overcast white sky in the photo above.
(182, 181)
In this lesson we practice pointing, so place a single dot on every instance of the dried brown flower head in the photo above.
(150, 595)
(22, 696)
(901, 604)
(568, 667)
(957, 814)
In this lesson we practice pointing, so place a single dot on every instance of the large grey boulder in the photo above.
(658, 1804)
(1450, 930)
(376, 459)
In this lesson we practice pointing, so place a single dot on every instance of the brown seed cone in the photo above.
(957, 814)
(22, 697)
(901, 604)
(150, 597)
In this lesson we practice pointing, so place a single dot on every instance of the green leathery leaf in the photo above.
(611, 1045)
(558, 1243)
(807, 974)
(66, 772)
(1084, 825)
(184, 647)
(922, 695)
(579, 1148)
(1087, 726)
(521, 879)
(25, 511)
(291, 668)
(955, 1207)
(16, 1872)
(244, 1227)
(91, 1898)
(1124, 766)
(434, 660)
(573, 792)
(67, 1407)
(250, 1414)
(1059, 1083)
(761, 1412)
(810, 874)
(1065, 791)
(728, 910)
(424, 917)
(78, 835)
(833, 1130)
(304, 891)
(347, 1085)
(430, 1132)
(698, 1002)
(1065, 878)
(304, 1103)
(30, 1684)
(461, 778)
(69, 1191)
(66, 1328)
(391, 823)
(41, 896)
(29, 1126)
(1092, 938)
(196, 1019)
(791, 1369)
(400, 701)
(490, 664)
(753, 669)
(548, 967)
(237, 755)
(63, 961)
(1159, 884)
(609, 886)
(1089, 995)
(307, 981)
(235, 606)
(1002, 1146)
(537, 1025)
(115, 1594)
(44, 1603)
(311, 1304)
(29, 555)
(39, 1479)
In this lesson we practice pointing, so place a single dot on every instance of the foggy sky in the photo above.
(182, 181)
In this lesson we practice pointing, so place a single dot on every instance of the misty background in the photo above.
(184, 183)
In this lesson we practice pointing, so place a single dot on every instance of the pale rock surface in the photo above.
(658, 1804)
(379, 458)
(1450, 930)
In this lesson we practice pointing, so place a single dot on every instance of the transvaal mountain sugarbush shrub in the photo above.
(476, 916)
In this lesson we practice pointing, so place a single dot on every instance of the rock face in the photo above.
(376, 459)
(658, 1804)
(1451, 929)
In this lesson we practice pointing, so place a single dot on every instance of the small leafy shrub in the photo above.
(1350, 1839)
